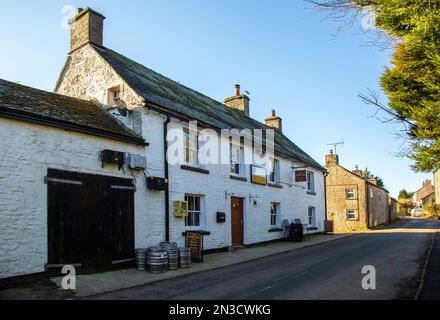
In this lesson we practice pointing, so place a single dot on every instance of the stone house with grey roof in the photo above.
(233, 204)
(355, 203)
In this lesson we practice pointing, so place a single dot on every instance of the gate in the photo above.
(90, 221)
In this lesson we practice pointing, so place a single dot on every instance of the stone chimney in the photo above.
(358, 172)
(274, 121)
(238, 101)
(331, 159)
(86, 27)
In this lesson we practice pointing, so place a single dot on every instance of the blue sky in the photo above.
(282, 52)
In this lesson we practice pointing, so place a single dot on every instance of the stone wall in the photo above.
(27, 154)
(437, 192)
(378, 205)
(87, 76)
(393, 209)
(338, 181)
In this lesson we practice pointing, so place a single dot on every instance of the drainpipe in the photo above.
(166, 169)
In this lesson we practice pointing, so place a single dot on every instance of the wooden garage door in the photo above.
(90, 221)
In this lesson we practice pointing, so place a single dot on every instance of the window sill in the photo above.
(276, 229)
(238, 178)
(202, 232)
(194, 169)
(311, 193)
(275, 185)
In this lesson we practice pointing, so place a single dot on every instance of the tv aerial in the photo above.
(336, 145)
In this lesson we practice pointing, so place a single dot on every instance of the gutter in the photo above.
(166, 171)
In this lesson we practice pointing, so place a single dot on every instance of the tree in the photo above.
(367, 174)
(413, 83)
(403, 194)
(405, 202)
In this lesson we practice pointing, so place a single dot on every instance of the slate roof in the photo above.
(171, 96)
(33, 105)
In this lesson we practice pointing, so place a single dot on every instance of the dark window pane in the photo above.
(197, 204)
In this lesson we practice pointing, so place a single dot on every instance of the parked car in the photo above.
(417, 212)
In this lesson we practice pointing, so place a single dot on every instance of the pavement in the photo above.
(319, 268)
(96, 284)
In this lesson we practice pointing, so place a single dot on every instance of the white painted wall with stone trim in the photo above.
(89, 77)
(28, 151)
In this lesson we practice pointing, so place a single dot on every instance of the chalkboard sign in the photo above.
(300, 176)
(194, 241)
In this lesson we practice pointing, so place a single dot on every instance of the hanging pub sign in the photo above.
(301, 176)
(194, 241)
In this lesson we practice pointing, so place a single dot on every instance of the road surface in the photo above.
(331, 270)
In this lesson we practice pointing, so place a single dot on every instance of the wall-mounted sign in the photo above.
(194, 241)
(301, 176)
(180, 209)
(258, 175)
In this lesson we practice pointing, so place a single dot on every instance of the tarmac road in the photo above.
(331, 270)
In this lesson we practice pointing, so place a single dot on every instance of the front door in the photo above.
(237, 221)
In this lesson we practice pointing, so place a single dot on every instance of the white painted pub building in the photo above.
(234, 204)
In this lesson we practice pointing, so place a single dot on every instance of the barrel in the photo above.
(173, 254)
(157, 260)
(184, 258)
(140, 258)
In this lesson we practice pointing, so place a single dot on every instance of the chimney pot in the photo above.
(237, 90)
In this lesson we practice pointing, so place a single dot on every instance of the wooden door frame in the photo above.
(242, 225)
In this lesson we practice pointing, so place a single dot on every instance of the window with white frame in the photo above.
(236, 159)
(275, 174)
(310, 181)
(190, 147)
(351, 214)
(350, 193)
(312, 216)
(274, 214)
(194, 218)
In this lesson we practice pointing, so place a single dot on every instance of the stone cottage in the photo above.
(437, 192)
(422, 196)
(354, 203)
(57, 190)
(234, 204)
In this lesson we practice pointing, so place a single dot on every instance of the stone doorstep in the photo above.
(96, 284)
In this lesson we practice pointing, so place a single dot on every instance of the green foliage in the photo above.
(403, 194)
(367, 174)
(413, 83)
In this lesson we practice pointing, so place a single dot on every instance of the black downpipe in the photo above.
(167, 191)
